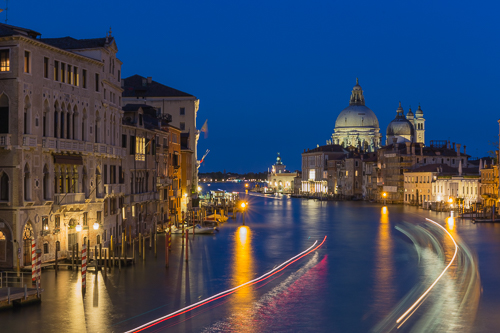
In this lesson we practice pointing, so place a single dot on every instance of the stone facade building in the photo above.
(76, 166)
(280, 180)
(315, 167)
(182, 108)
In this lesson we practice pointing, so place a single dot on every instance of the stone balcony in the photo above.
(5, 141)
(29, 140)
(81, 147)
(114, 189)
(69, 198)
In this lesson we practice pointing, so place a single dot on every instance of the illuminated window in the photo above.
(312, 174)
(63, 72)
(56, 70)
(76, 77)
(356, 172)
(69, 78)
(2, 236)
(140, 149)
(45, 222)
(27, 62)
(4, 61)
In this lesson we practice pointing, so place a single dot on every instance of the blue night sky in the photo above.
(272, 76)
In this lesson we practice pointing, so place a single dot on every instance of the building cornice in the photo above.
(52, 48)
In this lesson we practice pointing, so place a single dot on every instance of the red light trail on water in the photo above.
(225, 293)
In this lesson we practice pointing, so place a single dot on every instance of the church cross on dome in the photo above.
(357, 97)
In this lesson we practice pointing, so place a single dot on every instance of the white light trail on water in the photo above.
(434, 283)
(226, 292)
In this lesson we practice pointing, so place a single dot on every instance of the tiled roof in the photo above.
(10, 30)
(133, 87)
(70, 43)
(135, 107)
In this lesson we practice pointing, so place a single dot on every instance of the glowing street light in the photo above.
(78, 227)
(384, 195)
(96, 226)
(199, 188)
(243, 207)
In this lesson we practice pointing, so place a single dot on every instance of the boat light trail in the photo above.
(434, 283)
(230, 291)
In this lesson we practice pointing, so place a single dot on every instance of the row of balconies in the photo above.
(64, 145)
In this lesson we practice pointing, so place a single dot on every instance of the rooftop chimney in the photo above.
(464, 150)
(150, 79)
(458, 149)
(421, 149)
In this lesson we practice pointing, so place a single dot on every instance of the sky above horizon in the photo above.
(272, 76)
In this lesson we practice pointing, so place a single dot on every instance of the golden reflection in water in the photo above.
(243, 271)
(450, 222)
(384, 267)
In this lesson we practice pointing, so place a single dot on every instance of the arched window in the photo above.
(74, 181)
(62, 124)
(84, 125)
(4, 187)
(56, 120)
(27, 115)
(98, 182)
(97, 127)
(46, 183)
(84, 182)
(45, 119)
(68, 123)
(27, 183)
(4, 111)
(75, 121)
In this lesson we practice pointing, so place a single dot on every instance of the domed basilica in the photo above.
(358, 126)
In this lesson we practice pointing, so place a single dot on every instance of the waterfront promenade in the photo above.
(367, 271)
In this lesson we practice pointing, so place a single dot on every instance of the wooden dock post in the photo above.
(119, 258)
(143, 250)
(166, 249)
(187, 253)
(133, 250)
(123, 243)
(96, 259)
(170, 235)
(150, 240)
(156, 240)
(73, 257)
(140, 247)
(77, 256)
(105, 263)
(101, 263)
(56, 263)
(182, 234)
(84, 268)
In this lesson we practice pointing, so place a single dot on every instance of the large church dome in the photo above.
(356, 114)
(357, 125)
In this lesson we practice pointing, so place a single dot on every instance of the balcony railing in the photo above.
(5, 141)
(114, 189)
(69, 198)
(29, 140)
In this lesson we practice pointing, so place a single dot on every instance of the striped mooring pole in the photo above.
(39, 267)
(33, 260)
(84, 267)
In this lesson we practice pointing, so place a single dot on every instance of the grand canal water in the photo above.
(376, 262)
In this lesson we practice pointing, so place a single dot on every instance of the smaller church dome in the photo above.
(400, 126)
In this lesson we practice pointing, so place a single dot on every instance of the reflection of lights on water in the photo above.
(242, 235)
(433, 284)
(263, 277)
(451, 222)
(384, 210)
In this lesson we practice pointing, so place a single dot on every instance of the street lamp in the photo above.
(384, 195)
(243, 206)
(96, 226)
(199, 188)
(78, 227)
